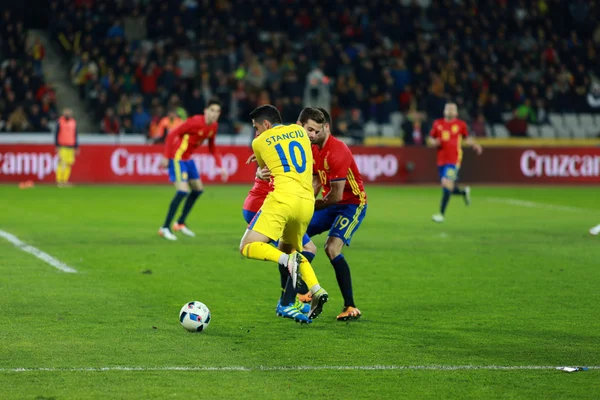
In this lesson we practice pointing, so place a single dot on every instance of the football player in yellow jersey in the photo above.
(286, 151)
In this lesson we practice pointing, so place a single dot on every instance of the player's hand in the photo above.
(433, 142)
(478, 149)
(164, 162)
(251, 159)
(224, 175)
(263, 173)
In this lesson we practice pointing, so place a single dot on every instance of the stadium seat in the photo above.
(533, 131)
(371, 129)
(396, 119)
(556, 120)
(500, 131)
(388, 130)
(547, 132)
(571, 122)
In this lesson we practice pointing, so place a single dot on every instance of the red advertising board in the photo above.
(141, 164)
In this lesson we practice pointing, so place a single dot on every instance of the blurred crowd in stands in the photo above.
(27, 103)
(135, 61)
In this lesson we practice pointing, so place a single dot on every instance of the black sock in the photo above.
(289, 294)
(342, 274)
(445, 198)
(283, 277)
(458, 190)
(189, 203)
(179, 196)
(309, 256)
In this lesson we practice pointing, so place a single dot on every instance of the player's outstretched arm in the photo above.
(333, 197)
(474, 145)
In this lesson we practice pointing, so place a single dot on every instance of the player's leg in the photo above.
(595, 230)
(465, 193)
(301, 294)
(60, 168)
(348, 221)
(177, 175)
(447, 175)
(196, 191)
(266, 226)
(293, 236)
(69, 160)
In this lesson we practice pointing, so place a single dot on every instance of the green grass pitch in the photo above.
(513, 280)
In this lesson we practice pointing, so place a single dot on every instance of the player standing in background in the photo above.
(287, 210)
(342, 208)
(179, 146)
(447, 134)
(595, 230)
(166, 125)
(66, 146)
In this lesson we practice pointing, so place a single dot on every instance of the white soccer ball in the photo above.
(194, 316)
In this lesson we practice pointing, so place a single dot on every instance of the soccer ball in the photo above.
(194, 316)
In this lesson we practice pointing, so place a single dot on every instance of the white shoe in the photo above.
(166, 233)
(183, 229)
(439, 218)
(595, 230)
(468, 195)
(293, 267)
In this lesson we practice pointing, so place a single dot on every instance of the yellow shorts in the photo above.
(66, 155)
(285, 218)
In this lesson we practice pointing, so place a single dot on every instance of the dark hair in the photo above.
(266, 112)
(311, 113)
(213, 102)
(325, 114)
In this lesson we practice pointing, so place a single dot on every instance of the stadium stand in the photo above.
(383, 67)
(27, 102)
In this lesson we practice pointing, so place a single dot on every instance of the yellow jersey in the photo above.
(286, 150)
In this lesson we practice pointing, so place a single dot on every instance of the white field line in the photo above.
(533, 204)
(37, 252)
(294, 368)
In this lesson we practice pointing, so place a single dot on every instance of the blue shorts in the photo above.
(182, 171)
(249, 216)
(448, 171)
(341, 221)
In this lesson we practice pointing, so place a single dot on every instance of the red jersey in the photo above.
(335, 162)
(183, 140)
(256, 196)
(450, 134)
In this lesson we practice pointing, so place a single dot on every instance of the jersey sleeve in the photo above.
(435, 132)
(339, 162)
(257, 149)
(464, 131)
(188, 126)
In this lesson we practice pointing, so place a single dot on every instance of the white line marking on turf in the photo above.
(533, 204)
(297, 368)
(37, 252)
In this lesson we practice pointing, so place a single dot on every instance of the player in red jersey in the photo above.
(179, 146)
(447, 136)
(342, 208)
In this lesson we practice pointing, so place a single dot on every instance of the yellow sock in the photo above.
(67, 173)
(262, 251)
(308, 273)
(60, 173)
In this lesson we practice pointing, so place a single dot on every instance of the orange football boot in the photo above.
(349, 314)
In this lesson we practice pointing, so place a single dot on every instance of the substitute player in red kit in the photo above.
(447, 136)
(179, 146)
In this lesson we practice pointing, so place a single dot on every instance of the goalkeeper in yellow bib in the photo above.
(286, 151)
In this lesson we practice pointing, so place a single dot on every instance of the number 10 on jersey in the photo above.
(300, 167)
